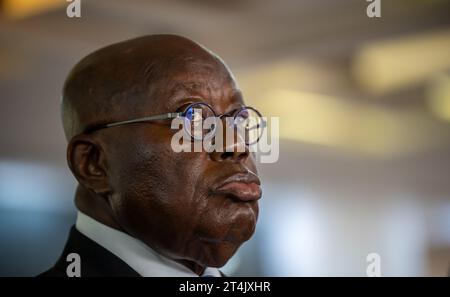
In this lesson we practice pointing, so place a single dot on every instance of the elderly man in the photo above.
(144, 209)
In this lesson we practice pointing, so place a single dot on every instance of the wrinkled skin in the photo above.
(129, 177)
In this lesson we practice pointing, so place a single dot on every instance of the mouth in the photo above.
(244, 187)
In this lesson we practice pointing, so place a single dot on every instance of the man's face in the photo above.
(171, 200)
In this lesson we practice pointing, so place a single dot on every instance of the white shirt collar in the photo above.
(133, 252)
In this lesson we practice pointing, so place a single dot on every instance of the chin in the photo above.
(216, 253)
(242, 229)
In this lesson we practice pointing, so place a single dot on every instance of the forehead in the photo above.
(209, 82)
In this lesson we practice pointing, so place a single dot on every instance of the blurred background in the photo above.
(364, 107)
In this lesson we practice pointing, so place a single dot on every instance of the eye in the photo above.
(193, 114)
(198, 111)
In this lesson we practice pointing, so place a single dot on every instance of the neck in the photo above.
(98, 208)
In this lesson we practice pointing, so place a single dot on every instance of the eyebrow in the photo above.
(191, 87)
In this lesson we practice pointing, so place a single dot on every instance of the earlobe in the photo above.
(87, 161)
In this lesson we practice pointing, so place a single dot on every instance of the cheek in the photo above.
(143, 165)
(154, 197)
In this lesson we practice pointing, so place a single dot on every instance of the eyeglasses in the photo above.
(247, 120)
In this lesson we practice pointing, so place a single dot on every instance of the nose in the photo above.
(234, 148)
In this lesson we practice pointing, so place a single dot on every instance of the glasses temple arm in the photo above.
(165, 116)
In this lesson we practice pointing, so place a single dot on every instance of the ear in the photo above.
(87, 161)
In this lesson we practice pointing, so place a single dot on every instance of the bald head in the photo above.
(112, 83)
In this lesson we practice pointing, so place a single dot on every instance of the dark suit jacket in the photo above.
(95, 259)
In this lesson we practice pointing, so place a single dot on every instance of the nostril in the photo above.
(226, 155)
(233, 156)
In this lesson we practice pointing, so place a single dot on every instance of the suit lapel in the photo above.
(95, 260)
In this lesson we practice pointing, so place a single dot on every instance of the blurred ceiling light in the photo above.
(17, 9)
(438, 97)
(357, 126)
(294, 73)
(389, 65)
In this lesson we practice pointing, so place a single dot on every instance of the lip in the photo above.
(245, 187)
